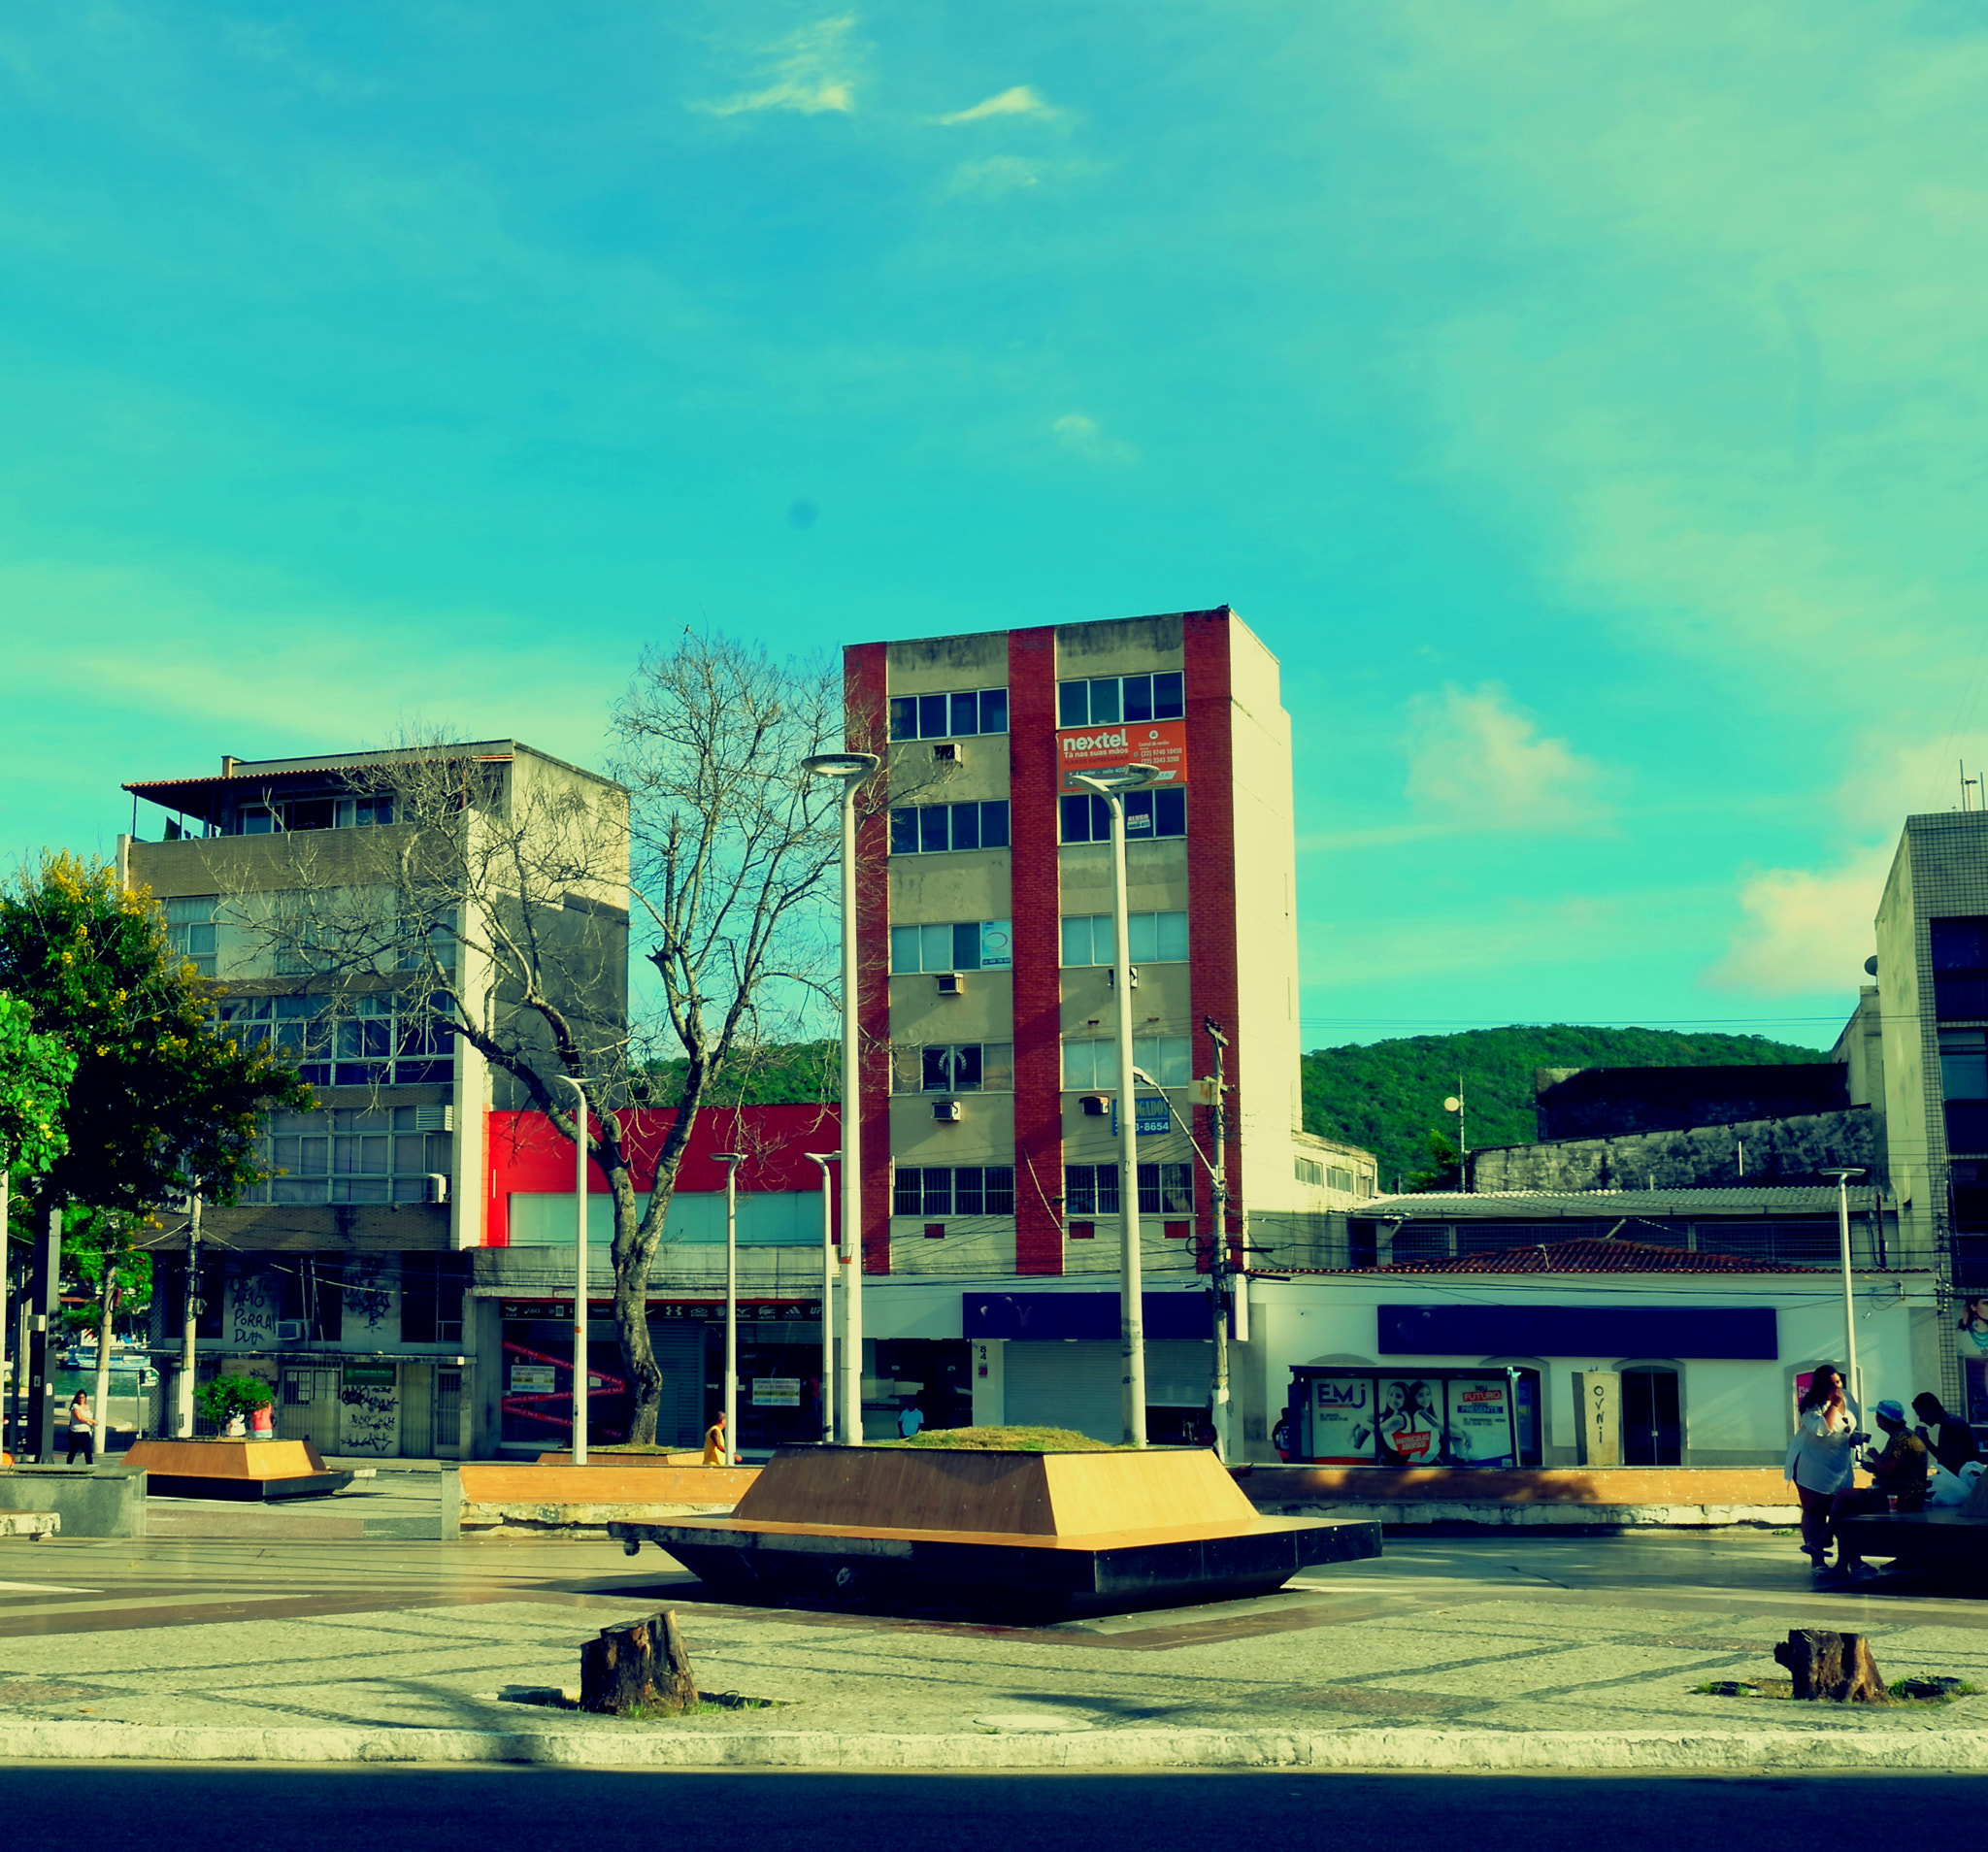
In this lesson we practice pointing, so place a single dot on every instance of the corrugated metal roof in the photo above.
(1591, 1256)
(1596, 1204)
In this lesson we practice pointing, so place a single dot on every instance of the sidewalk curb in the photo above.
(1456, 1751)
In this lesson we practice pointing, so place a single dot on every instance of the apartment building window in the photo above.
(971, 944)
(370, 1041)
(939, 1190)
(1084, 704)
(190, 929)
(1091, 1064)
(949, 716)
(1147, 815)
(1152, 938)
(1310, 1171)
(954, 1066)
(431, 1295)
(1339, 1179)
(1092, 1189)
(339, 1155)
(323, 812)
(1960, 969)
(1964, 1063)
(930, 829)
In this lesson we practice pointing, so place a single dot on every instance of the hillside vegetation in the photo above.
(1387, 1096)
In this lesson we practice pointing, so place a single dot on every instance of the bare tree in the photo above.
(491, 906)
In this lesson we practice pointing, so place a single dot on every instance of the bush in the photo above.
(226, 1397)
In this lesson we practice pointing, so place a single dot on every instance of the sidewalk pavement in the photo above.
(1491, 1654)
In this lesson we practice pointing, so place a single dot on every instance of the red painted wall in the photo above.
(524, 1154)
(866, 696)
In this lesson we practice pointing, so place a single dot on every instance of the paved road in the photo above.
(550, 1810)
(1512, 1634)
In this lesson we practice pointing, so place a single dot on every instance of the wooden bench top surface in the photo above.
(721, 1527)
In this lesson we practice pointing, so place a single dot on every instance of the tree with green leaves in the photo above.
(160, 1101)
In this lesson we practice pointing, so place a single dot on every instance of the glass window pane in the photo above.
(937, 1190)
(1142, 938)
(904, 717)
(1139, 815)
(997, 1066)
(966, 714)
(1000, 1188)
(1107, 1191)
(1139, 697)
(1076, 815)
(935, 945)
(1077, 1190)
(931, 717)
(997, 944)
(932, 831)
(1105, 1064)
(1176, 1060)
(903, 948)
(967, 1198)
(993, 710)
(966, 946)
(411, 1156)
(966, 825)
(993, 824)
(1076, 939)
(1170, 812)
(909, 1191)
(1167, 697)
(1077, 1066)
(1105, 699)
(936, 1069)
(906, 1069)
(1170, 937)
(966, 1067)
(1073, 704)
(903, 832)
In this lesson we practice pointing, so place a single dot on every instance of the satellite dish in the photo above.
(1452, 1105)
(1871, 966)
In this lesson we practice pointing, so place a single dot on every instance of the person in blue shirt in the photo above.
(909, 1419)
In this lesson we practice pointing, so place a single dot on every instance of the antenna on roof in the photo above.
(1968, 783)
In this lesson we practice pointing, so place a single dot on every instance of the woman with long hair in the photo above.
(1822, 1457)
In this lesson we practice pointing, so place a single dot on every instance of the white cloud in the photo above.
(1805, 931)
(811, 75)
(1083, 437)
(1019, 101)
(1480, 764)
(1002, 174)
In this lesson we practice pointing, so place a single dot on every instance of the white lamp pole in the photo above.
(853, 768)
(825, 1159)
(1111, 785)
(730, 1160)
(1856, 1386)
(581, 1376)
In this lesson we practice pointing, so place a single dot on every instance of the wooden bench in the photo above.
(1945, 1538)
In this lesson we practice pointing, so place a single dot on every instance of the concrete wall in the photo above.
(101, 1502)
(1758, 1152)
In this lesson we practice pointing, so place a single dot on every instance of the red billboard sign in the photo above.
(1162, 743)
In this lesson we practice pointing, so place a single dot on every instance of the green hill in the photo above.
(1387, 1096)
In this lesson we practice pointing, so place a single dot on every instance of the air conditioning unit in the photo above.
(435, 1119)
(1093, 1104)
(946, 1111)
(950, 985)
(947, 752)
(291, 1330)
(437, 1187)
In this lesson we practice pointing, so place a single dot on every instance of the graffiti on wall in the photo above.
(255, 1300)
(369, 1420)
(368, 1292)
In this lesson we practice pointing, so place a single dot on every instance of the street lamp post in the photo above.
(730, 1160)
(582, 1378)
(825, 1159)
(852, 767)
(1842, 1177)
(1111, 785)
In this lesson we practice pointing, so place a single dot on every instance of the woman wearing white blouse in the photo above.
(1822, 1457)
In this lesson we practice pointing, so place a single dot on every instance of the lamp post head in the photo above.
(1844, 1173)
(1114, 780)
(728, 1157)
(841, 764)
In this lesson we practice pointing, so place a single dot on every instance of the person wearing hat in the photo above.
(1898, 1482)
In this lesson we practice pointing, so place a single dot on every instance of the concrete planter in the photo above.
(486, 1499)
(243, 1469)
(95, 1502)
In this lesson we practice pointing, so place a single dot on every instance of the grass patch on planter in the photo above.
(1005, 1441)
(1927, 1692)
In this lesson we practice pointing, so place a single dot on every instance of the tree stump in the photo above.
(638, 1666)
(1832, 1668)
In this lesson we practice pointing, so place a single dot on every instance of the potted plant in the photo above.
(234, 1403)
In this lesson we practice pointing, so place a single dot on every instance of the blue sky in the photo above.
(1585, 401)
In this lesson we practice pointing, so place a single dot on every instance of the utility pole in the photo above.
(1219, 1248)
(45, 1304)
(189, 1321)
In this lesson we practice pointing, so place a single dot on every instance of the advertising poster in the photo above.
(1342, 1420)
(1159, 743)
(775, 1392)
(1410, 1423)
(531, 1380)
(1480, 1421)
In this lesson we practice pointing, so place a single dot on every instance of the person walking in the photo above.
(1951, 1440)
(715, 1442)
(1822, 1457)
(82, 1429)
